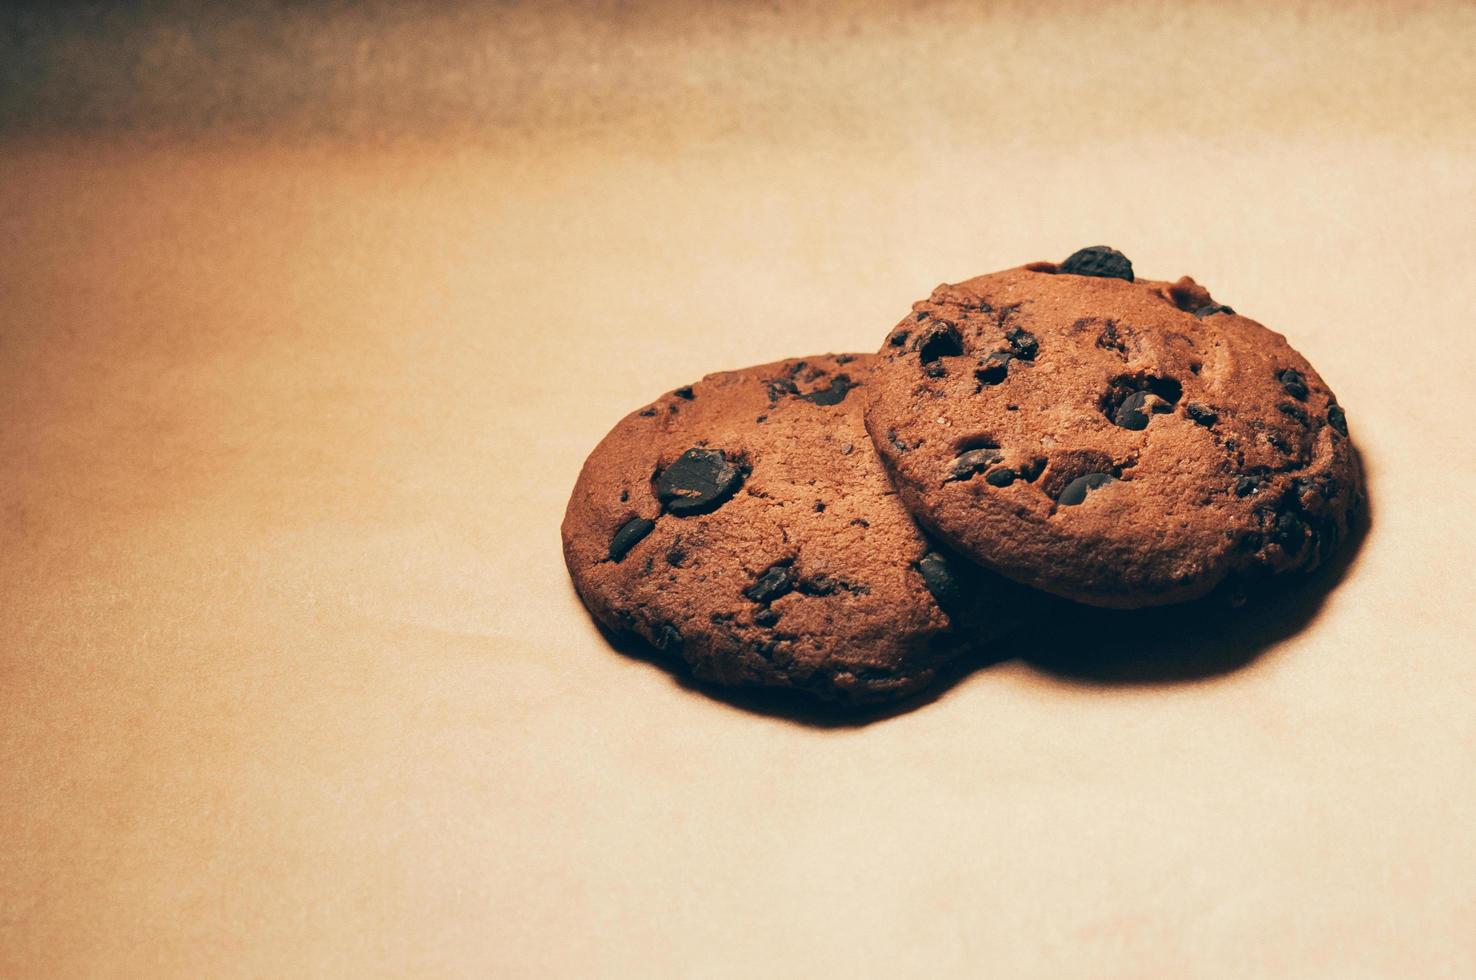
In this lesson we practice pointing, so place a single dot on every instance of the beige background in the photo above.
(309, 315)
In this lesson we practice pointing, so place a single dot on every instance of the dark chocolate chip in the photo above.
(628, 536)
(1023, 343)
(935, 369)
(1108, 338)
(647, 412)
(766, 617)
(1293, 383)
(685, 391)
(860, 522)
(843, 358)
(1201, 414)
(779, 387)
(971, 462)
(996, 368)
(1290, 532)
(899, 338)
(920, 315)
(1131, 414)
(676, 554)
(1076, 491)
(1002, 316)
(1033, 469)
(819, 506)
(1325, 535)
(832, 395)
(1321, 486)
(774, 583)
(668, 639)
(942, 341)
(1127, 401)
(700, 481)
(1211, 310)
(1001, 477)
(762, 419)
(1293, 412)
(938, 577)
(823, 585)
(1098, 260)
(1337, 419)
(1247, 485)
(624, 496)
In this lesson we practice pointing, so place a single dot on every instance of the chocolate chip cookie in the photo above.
(1117, 441)
(746, 524)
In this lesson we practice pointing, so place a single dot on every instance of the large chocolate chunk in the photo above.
(628, 536)
(699, 482)
(834, 394)
(938, 577)
(1076, 491)
(1100, 261)
(773, 583)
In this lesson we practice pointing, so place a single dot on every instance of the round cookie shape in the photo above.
(1116, 441)
(746, 524)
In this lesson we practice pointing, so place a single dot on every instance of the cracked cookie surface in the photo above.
(1117, 441)
(745, 524)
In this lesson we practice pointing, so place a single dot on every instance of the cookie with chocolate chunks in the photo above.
(745, 524)
(1118, 441)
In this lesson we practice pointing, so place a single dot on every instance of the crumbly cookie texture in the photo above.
(746, 524)
(1117, 441)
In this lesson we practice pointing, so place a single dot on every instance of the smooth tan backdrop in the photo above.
(309, 315)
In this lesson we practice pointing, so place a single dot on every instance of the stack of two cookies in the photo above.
(846, 524)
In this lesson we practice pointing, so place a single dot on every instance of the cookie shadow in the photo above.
(1082, 645)
(1195, 641)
